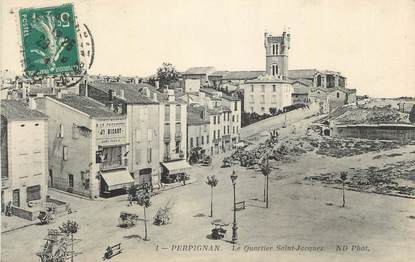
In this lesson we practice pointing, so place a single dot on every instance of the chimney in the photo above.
(170, 93)
(157, 84)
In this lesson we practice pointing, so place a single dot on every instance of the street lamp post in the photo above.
(234, 227)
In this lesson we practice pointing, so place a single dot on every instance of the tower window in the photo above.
(274, 70)
(338, 94)
(275, 49)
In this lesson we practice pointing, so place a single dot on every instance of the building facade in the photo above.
(142, 111)
(24, 156)
(87, 146)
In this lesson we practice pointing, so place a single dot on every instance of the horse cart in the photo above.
(127, 219)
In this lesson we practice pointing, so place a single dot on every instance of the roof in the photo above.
(300, 90)
(132, 92)
(306, 82)
(164, 97)
(18, 110)
(219, 73)
(199, 70)
(86, 105)
(267, 79)
(194, 115)
(211, 91)
(302, 73)
(242, 75)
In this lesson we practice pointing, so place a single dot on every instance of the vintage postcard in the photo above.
(190, 130)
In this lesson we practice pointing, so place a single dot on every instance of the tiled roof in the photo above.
(242, 75)
(132, 92)
(219, 73)
(199, 70)
(306, 82)
(302, 73)
(86, 105)
(267, 79)
(210, 92)
(17, 110)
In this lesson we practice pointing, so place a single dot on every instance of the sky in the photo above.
(371, 42)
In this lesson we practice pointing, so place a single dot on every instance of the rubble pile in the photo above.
(339, 148)
(393, 179)
(375, 115)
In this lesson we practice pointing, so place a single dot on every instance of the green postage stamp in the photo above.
(49, 41)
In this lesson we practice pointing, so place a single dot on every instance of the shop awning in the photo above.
(175, 167)
(117, 179)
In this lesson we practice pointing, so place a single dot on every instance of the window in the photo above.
(235, 106)
(149, 155)
(237, 129)
(178, 129)
(61, 131)
(112, 157)
(274, 88)
(75, 131)
(338, 94)
(237, 118)
(197, 141)
(233, 118)
(33, 193)
(207, 139)
(252, 109)
(138, 156)
(167, 130)
(274, 99)
(214, 134)
(177, 147)
(203, 140)
(218, 133)
(224, 130)
(149, 134)
(262, 99)
(167, 113)
(228, 130)
(319, 80)
(274, 70)
(262, 88)
(252, 88)
(233, 130)
(65, 153)
(178, 112)
(218, 119)
(224, 117)
(70, 180)
(262, 109)
(252, 99)
(191, 142)
(214, 120)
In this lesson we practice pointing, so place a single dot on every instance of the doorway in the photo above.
(16, 197)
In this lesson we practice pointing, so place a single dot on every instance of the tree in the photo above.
(266, 170)
(212, 181)
(167, 74)
(70, 228)
(343, 177)
(142, 199)
(412, 115)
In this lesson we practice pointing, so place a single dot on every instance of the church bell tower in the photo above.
(276, 54)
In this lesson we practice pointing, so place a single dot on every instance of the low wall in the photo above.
(400, 133)
(277, 121)
(24, 213)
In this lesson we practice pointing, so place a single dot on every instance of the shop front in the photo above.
(115, 180)
(173, 171)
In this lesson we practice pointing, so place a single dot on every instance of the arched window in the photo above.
(274, 70)
(319, 80)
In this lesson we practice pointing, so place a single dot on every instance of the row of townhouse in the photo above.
(213, 121)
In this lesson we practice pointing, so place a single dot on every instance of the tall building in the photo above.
(271, 91)
(276, 53)
(24, 157)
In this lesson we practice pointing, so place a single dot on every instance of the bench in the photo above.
(112, 251)
(240, 205)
